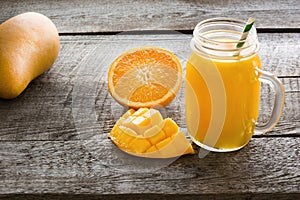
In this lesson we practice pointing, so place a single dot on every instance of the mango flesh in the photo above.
(29, 45)
(145, 133)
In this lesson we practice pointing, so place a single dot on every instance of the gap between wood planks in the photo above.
(294, 135)
(259, 30)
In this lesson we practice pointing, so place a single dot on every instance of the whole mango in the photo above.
(29, 45)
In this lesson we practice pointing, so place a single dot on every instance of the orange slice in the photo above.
(158, 138)
(145, 77)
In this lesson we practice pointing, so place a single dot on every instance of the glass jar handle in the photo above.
(276, 85)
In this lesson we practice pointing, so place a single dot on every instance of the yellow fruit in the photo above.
(145, 77)
(145, 133)
(29, 45)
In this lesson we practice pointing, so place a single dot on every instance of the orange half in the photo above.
(145, 77)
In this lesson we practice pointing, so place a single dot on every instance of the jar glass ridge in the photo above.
(217, 38)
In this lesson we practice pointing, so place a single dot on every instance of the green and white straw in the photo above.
(246, 31)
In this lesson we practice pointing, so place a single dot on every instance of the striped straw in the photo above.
(246, 31)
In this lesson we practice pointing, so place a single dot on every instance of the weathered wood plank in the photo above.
(278, 51)
(96, 166)
(71, 101)
(256, 196)
(106, 16)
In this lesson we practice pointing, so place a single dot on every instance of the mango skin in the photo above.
(29, 45)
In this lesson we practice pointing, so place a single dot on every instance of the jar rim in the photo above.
(218, 37)
(217, 20)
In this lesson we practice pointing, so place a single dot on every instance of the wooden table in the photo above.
(54, 137)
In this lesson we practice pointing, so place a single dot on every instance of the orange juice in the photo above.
(222, 87)
(241, 100)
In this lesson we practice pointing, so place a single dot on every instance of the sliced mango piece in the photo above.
(115, 132)
(163, 143)
(170, 127)
(117, 136)
(125, 116)
(156, 117)
(152, 149)
(141, 121)
(160, 136)
(139, 145)
(128, 131)
(181, 144)
(128, 113)
(167, 149)
(152, 131)
(145, 133)
(125, 136)
(140, 112)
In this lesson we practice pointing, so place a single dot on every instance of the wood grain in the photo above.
(96, 166)
(254, 196)
(71, 100)
(110, 16)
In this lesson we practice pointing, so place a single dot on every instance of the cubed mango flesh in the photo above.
(145, 133)
(170, 127)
